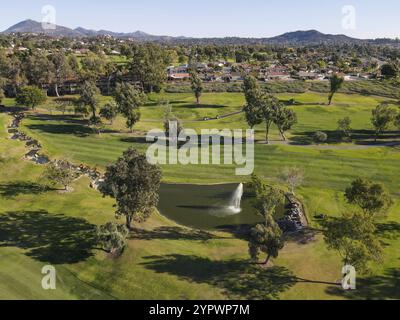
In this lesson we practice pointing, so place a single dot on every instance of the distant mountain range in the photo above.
(297, 37)
(31, 26)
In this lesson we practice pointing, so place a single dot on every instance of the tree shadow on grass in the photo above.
(388, 230)
(239, 231)
(358, 137)
(238, 279)
(307, 137)
(68, 129)
(137, 140)
(302, 237)
(386, 286)
(159, 103)
(68, 118)
(13, 109)
(203, 106)
(15, 189)
(49, 238)
(172, 233)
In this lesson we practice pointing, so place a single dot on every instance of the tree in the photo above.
(64, 104)
(251, 89)
(353, 236)
(293, 177)
(93, 66)
(39, 69)
(109, 112)
(372, 198)
(266, 238)
(396, 120)
(89, 97)
(267, 197)
(336, 83)
(148, 64)
(389, 70)
(344, 125)
(285, 119)
(30, 96)
(73, 64)
(171, 122)
(60, 173)
(62, 69)
(134, 184)
(96, 124)
(62, 107)
(268, 106)
(262, 108)
(111, 70)
(112, 237)
(382, 116)
(2, 96)
(252, 114)
(11, 69)
(81, 109)
(128, 100)
(197, 85)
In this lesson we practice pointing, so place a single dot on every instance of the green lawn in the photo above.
(167, 261)
(312, 114)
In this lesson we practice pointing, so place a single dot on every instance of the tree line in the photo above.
(146, 66)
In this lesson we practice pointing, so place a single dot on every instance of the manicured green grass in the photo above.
(167, 261)
(313, 115)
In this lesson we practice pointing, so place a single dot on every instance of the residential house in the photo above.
(274, 73)
(178, 73)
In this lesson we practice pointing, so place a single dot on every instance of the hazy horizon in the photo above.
(254, 19)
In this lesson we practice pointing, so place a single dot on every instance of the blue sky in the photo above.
(209, 18)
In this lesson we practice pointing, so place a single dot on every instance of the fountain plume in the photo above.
(235, 203)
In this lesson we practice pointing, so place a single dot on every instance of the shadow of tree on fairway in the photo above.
(239, 231)
(13, 109)
(303, 237)
(172, 233)
(49, 238)
(70, 125)
(68, 118)
(358, 137)
(204, 106)
(67, 129)
(386, 286)
(14, 189)
(137, 140)
(389, 230)
(238, 279)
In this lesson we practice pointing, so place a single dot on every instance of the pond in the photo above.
(206, 207)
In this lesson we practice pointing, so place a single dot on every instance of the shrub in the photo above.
(112, 237)
(320, 137)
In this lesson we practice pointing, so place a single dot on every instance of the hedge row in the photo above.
(372, 87)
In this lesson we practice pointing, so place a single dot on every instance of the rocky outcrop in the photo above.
(32, 145)
(295, 218)
(34, 153)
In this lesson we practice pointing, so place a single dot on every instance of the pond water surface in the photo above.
(205, 207)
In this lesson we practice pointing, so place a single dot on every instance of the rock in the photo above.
(42, 160)
(96, 184)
